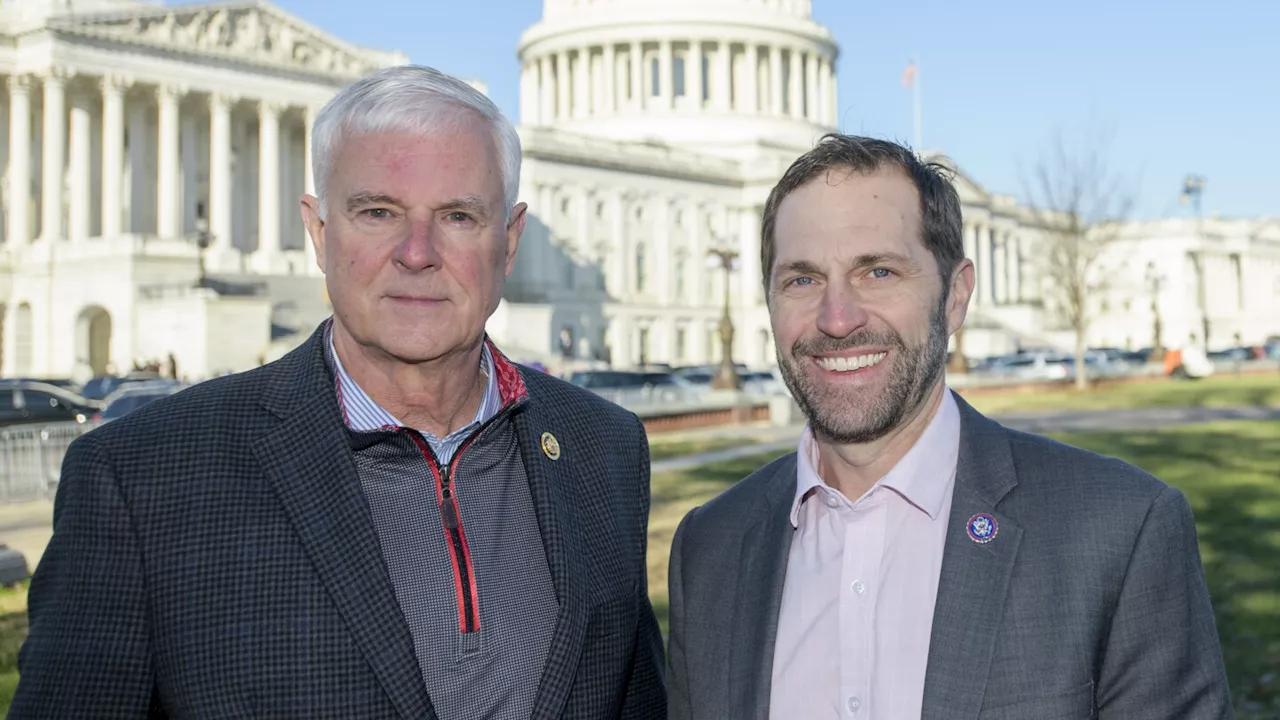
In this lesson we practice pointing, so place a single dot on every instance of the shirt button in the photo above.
(854, 704)
(859, 587)
(831, 501)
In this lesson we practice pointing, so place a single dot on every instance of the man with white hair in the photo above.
(391, 521)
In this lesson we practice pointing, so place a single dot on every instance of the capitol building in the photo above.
(155, 155)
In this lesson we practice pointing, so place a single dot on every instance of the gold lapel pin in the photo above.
(550, 446)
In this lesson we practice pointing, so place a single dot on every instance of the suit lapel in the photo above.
(761, 575)
(307, 461)
(553, 485)
(975, 576)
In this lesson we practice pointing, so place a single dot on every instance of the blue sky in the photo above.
(1179, 87)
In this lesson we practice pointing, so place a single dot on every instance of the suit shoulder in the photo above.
(197, 408)
(774, 481)
(1071, 473)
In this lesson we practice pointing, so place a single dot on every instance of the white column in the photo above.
(833, 108)
(637, 75)
(113, 88)
(309, 182)
(751, 80)
(54, 151)
(584, 199)
(982, 247)
(581, 82)
(697, 263)
(544, 272)
(268, 184)
(618, 260)
(1015, 269)
(220, 172)
(609, 101)
(528, 94)
(19, 174)
(811, 88)
(749, 256)
(546, 92)
(665, 90)
(721, 92)
(824, 92)
(693, 75)
(167, 171)
(79, 164)
(1010, 285)
(660, 261)
(795, 93)
(563, 91)
(775, 80)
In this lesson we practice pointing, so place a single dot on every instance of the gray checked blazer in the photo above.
(1089, 602)
(213, 556)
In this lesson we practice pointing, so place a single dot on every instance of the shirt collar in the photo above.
(921, 476)
(362, 414)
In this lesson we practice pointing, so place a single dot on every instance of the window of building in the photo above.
(655, 72)
(679, 278)
(644, 346)
(641, 275)
(680, 344)
(678, 76)
(706, 78)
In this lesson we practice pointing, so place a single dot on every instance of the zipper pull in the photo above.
(449, 514)
(448, 508)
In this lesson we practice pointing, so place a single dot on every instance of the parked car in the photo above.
(25, 402)
(628, 386)
(100, 387)
(132, 396)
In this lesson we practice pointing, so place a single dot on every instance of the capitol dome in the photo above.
(716, 73)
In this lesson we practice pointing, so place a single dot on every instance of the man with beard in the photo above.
(914, 559)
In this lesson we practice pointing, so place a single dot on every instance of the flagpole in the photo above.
(915, 108)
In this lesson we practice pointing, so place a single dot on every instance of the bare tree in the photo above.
(1080, 205)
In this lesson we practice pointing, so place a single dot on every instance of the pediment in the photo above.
(248, 31)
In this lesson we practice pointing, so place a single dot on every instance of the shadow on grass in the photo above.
(1230, 473)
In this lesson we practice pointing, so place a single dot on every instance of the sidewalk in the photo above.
(26, 527)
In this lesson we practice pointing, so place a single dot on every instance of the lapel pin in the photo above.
(550, 446)
(982, 528)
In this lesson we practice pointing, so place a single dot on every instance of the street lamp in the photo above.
(726, 377)
(1154, 280)
(1192, 190)
(203, 240)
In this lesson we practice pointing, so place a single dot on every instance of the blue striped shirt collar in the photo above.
(363, 414)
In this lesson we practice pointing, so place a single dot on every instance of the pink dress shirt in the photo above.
(862, 577)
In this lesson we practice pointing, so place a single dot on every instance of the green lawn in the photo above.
(1219, 391)
(1230, 472)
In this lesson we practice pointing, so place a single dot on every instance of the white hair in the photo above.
(411, 99)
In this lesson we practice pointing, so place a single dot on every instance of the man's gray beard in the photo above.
(852, 416)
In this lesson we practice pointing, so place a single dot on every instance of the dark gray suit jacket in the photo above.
(1090, 602)
(213, 556)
